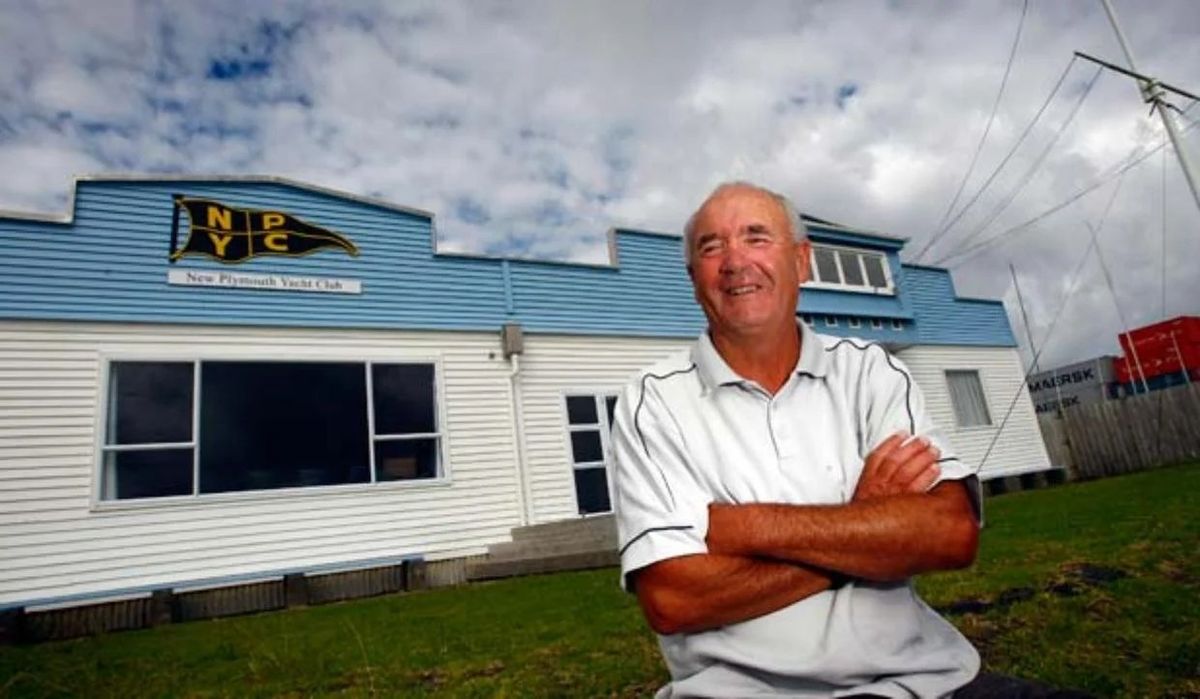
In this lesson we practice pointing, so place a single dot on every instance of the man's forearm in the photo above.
(888, 538)
(707, 591)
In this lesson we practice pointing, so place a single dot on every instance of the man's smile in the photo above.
(743, 289)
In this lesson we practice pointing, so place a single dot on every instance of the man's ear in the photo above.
(804, 261)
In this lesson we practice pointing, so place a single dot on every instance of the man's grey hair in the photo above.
(795, 222)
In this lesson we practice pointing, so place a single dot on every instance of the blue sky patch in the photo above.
(844, 92)
(471, 211)
(234, 69)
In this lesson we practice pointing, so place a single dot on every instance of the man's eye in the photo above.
(709, 248)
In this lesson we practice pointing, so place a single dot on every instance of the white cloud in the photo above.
(534, 127)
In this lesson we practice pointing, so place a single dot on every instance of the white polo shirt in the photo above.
(689, 432)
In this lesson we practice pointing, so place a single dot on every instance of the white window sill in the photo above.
(867, 290)
(173, 501)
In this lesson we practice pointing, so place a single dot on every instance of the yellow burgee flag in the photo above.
(231, 234)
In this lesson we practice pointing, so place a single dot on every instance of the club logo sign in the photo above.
(231, 234)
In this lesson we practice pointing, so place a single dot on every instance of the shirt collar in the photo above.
(814, 360)
(714, 371)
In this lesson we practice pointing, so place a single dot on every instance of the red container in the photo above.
(1171, 346)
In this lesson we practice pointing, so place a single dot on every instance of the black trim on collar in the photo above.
(908, 383)
(638, 428)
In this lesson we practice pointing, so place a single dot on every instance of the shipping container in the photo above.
(1169, 347)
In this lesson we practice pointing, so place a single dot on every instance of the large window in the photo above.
(966, 394)
(194, 428)
(846, 268)
(589, 420)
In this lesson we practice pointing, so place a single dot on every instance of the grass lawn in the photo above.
(576, 634)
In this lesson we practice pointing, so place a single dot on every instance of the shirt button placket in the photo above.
(780, 434)
(773, 427)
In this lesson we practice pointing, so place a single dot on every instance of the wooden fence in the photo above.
(1130, 434)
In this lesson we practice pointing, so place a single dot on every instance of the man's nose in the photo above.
(733, 259)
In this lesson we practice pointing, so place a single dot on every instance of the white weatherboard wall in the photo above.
(1019, 449)
(54, 541)
(552, 367)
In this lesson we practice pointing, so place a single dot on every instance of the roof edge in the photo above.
(69, 216)
(814, 222)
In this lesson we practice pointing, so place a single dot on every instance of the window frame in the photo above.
(816, 283)
(831, 321)
(366, 359)
(877, 324)
(853, 322)
(954, 408)
(607, 462)
(103, 415)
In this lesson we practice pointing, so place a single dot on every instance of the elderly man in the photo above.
(776, 489)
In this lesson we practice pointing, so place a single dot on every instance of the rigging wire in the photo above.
(1133, 159)
(995, 107)
(1112, 290)
(1071, 288)
(943, 229)
(1027, 177)
(1183, 114)
(1164, 225)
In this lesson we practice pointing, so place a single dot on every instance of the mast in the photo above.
(1024, 318)
(1029, 335)
(1152, 93)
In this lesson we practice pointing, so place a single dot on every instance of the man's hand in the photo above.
(896, 468)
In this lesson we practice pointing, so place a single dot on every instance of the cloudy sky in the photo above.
(530, 128)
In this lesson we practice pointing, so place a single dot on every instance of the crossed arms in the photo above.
(763, 557)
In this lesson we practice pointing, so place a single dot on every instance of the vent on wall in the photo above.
(512, 339)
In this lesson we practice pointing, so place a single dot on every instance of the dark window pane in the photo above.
(875, 276)
(406, 459)
(581, 410)
(826, 265)
(147, 474)
(591, 490)
(585, 446)
(152, 402)
(270, 425)
(610, 404)
(850, 269)
(404, 398)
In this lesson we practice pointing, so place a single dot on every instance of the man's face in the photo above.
(746, 268)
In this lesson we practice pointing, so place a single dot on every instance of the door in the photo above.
(589, 422)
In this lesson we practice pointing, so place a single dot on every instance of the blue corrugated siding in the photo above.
(111, 263)
(649, 294)
(944, 319)
(849, 303)
(905, 336)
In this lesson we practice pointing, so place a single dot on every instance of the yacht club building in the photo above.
(208, 381)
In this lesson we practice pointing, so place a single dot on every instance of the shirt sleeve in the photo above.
(896, 403)
(660, 511)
